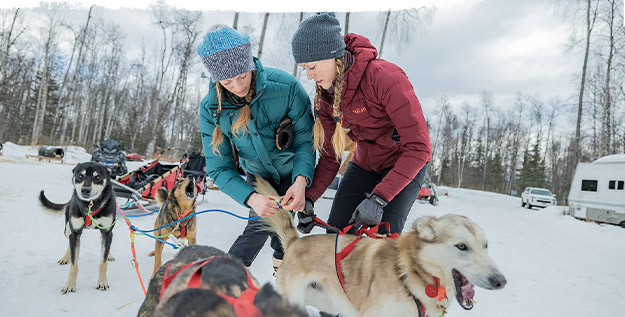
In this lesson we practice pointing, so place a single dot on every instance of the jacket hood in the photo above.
(363, 52)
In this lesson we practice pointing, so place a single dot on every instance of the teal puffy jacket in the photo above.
(278, 95)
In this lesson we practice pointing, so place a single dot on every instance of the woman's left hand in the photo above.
(294, 198)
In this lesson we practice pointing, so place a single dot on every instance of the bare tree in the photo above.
(50, 38)
(262, 35)
(346, 22)
(604, 140)
(72, 92)
(402, 25)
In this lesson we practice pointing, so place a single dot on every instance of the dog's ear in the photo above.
(424, 226)
(161, 195)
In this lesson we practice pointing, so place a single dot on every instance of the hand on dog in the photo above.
(294, 198)
(263, 205)
(369, 211)
(306, 218)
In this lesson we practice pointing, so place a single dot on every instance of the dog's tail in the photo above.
(161, 195)
(50, 206)
(281, 222)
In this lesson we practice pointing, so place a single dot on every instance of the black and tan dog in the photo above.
(175, 205)
(204, 281)
(93, 194)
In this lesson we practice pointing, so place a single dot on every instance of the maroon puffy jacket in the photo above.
(377, 100)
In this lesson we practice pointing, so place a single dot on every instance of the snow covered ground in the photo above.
(555, 265)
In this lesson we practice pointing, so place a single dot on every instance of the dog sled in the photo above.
(49, 153)
(140, 185)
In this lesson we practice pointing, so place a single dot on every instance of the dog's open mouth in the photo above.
(189, 190)
(464, 290)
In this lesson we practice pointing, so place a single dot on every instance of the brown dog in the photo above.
(175, 205)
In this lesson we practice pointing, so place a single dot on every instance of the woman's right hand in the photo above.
(263, 205)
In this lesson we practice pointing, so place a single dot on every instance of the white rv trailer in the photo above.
(598, 190)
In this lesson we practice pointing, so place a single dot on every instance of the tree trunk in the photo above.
(589, 26)
(41, 100)
(604, 140)
(72, 91)
(301, 18)
(262, 36)
(236, 20)
(347, 22)
(388, 16)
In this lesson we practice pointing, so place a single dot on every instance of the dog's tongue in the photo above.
(467, 291)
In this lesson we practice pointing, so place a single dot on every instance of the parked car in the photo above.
(133, 156)
(537, 197)
(428, 192)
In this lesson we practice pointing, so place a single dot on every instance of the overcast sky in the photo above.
(503, 46)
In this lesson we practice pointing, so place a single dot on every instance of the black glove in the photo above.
(369, 212)
(284, 134)
(306, 218)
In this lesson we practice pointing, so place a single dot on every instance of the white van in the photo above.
(598, 190)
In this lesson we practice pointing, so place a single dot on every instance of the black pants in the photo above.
(247, 246)
(356, 182)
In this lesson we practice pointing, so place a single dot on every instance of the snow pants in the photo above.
(356, 182)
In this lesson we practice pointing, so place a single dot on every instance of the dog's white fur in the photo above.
(381, 274)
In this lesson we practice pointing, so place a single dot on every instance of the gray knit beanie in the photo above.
(317, 38)
(226, 53)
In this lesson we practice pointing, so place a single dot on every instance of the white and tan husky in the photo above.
(385, 277)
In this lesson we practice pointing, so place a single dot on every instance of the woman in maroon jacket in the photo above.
(372, 102)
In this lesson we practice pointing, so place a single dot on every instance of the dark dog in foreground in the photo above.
(204, 281)
(175, 205)
(93, 193)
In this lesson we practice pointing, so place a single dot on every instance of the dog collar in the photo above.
(90, 214)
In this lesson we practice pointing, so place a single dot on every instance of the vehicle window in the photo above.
(612, 185)
(541, 192)
(589, 185)
(621, 184)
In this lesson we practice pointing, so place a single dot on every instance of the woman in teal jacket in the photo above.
(246, 108)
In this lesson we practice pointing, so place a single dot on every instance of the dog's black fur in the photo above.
(226, 275)
(92, 185)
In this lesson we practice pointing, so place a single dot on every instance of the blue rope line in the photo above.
(193, 214)
(142, 215)
(153, 237)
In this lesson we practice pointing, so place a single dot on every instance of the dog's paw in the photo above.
(110, 258)
(68, 288)
(64, 260)
(102, 286)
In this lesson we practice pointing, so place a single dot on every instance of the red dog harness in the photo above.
(372, 233)
(243, 305)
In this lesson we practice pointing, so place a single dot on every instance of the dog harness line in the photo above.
(243, 305)
(87, 218)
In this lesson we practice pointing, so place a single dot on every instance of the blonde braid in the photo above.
(318, 133)
(218, 136)
(244, 113)
(339, 138)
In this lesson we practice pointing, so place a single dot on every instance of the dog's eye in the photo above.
(461, 246)
(81, 177)
(97, 178)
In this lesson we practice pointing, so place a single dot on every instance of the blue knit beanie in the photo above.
(317, 38)
(226, 53)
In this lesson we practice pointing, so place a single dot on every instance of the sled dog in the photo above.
(204, 281)
(405, 276)
(175, 205)
(93, 193)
